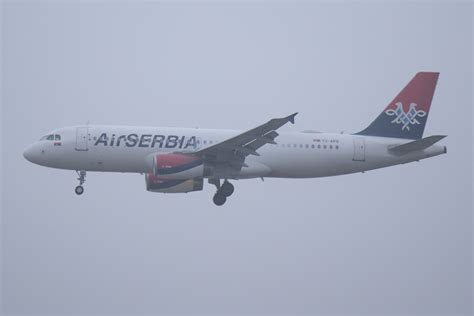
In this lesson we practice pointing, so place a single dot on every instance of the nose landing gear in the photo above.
(82, 178)
(223, 191)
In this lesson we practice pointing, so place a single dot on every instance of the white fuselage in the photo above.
(296, 155)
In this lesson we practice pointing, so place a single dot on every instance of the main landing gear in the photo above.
(223, 191)
(82, 178)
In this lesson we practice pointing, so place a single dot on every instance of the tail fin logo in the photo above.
(405, 118)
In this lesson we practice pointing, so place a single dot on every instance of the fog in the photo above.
(393, 241)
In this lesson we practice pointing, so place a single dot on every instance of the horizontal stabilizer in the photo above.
(416, 145)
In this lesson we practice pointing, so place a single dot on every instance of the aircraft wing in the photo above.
(232, 152)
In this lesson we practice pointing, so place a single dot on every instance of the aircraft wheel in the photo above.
(219, 199)
(227, 188)
(79, 190)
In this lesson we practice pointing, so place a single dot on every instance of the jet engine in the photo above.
(177, 166)
(157, 184)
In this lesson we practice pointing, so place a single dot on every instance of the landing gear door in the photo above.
(81, 138)
(359, 149)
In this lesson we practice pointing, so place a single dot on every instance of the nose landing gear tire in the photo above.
(79, 190)
(82, 178)
(219, 199)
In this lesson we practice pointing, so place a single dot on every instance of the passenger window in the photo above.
(312, 146)
(307, 146)
(57, 137)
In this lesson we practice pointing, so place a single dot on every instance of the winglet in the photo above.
(291, 118)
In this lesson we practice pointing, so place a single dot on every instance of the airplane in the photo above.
(177, 160)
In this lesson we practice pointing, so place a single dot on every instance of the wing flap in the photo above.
(268, 138)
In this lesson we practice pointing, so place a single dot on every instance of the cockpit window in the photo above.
(51, 137)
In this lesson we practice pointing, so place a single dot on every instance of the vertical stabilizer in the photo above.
(406, 115)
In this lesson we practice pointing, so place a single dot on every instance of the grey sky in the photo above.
(390, 241)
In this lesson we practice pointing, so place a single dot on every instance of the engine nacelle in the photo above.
(157, 184)
(177, 166)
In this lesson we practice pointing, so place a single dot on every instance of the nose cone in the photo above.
(29, 153)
